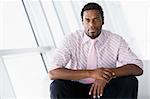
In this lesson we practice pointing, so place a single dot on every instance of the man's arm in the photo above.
(127, 70)
(100, 73)
(68, 74)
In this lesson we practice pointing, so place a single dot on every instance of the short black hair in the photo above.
(93, 6)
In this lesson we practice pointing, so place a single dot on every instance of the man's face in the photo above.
(92, 23)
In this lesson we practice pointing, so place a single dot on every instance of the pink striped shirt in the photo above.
(112, 51)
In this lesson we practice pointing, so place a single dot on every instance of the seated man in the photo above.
(101, 63)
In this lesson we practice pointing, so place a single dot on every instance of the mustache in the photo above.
(88, 30)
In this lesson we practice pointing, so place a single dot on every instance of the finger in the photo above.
(98, 91)
(104, 79)
(101, 91)
(90, 92)
(105, 76)
(94, 90)
(108, 73)
(109, 80)
(107, 69)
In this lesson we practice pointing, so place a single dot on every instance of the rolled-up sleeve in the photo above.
(62, 55)
(126, 56)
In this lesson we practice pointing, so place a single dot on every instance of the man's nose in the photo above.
(91, 24)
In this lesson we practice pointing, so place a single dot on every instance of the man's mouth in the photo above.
(91, 31)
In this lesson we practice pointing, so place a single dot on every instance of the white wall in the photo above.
(144, 81)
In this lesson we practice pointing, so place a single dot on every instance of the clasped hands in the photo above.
(105, 74)
(102, 76)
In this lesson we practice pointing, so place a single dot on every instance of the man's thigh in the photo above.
(122, 87)
(68, 89)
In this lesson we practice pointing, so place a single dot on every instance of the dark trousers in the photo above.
(117, 88)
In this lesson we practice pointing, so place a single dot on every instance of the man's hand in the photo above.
(102, 74)
(97, 88)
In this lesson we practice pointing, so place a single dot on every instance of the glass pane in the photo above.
(39, 22)
(28, 75)
(70, 15)
(17, 32)
(6, 88)
(54, 22)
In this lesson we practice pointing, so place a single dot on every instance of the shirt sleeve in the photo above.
(62, 55)
(126, 56)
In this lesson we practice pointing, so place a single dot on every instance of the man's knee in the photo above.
(130, 82)
(57, 85)
(128, 87)
(59, 89)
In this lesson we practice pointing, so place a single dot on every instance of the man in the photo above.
(101, 63)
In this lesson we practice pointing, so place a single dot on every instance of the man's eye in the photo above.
(97, 19)
(87, 20)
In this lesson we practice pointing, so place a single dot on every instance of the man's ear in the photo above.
(82, 22)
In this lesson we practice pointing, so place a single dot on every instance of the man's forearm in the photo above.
(128, 70)
(68, 74)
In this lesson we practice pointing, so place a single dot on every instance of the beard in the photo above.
(93, 34)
